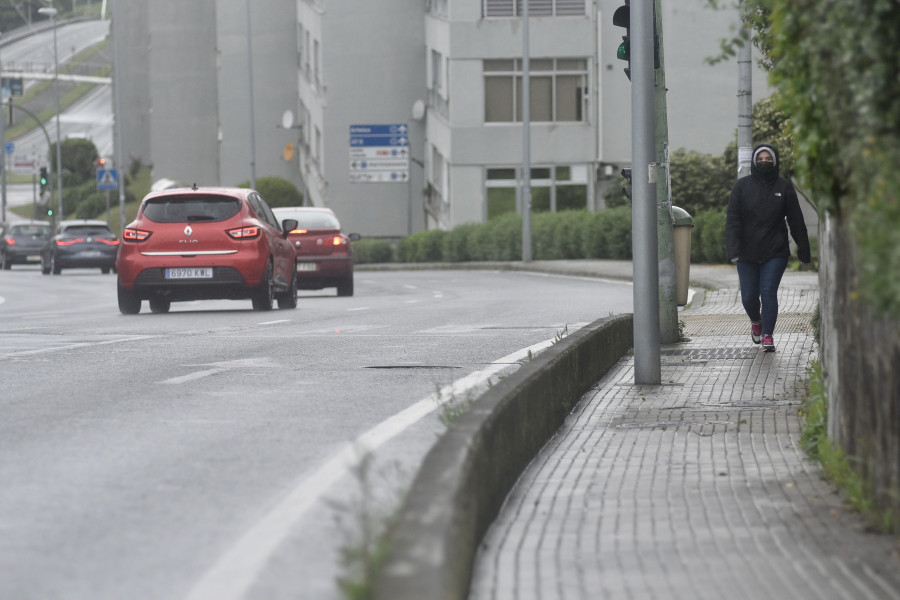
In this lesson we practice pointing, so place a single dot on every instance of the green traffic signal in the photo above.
(624, 50)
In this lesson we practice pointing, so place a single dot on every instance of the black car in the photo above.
(81, 244)
(21, 242)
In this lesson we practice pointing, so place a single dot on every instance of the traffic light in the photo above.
(44, 179)
(622, 18)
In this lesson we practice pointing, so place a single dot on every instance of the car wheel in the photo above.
(289, 298)
(45, 265)
(5, 261)
(129, 301)
(345, 287)
(160, 304)
(264, 296)
(54, 265)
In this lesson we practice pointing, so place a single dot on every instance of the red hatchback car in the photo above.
(203, 244)
(324, 254)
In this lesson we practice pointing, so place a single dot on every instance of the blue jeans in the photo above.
(759, 290)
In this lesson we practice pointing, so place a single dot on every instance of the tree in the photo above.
(78, 156)
(277, 191)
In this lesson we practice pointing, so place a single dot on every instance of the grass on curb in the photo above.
(365, 521)
(836, 465)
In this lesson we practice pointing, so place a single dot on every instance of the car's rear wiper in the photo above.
(200, 218)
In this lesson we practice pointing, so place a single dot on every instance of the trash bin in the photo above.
(682, 224)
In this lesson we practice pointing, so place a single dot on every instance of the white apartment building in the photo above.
(469, 138)
(407, 114)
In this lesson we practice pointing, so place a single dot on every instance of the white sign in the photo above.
(379, 153)
(379, 177)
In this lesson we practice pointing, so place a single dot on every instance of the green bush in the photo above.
(410, 248)
(278, 192)
(498, 239)
(432, 249)
(711, 238)
(458, 243)
(372, 251)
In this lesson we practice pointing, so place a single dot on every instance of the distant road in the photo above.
(91, 117)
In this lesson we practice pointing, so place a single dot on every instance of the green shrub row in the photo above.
(555, 236)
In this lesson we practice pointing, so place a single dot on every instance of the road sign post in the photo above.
(107, 180)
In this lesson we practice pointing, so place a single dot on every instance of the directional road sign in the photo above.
(107, 179)
(379, 153)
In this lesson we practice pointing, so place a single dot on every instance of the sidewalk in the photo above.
(696, 488)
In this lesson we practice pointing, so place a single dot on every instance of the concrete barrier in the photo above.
(466, 476)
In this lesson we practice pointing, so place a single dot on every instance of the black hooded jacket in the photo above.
(755, 228)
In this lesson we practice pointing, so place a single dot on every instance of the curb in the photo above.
(465, 478)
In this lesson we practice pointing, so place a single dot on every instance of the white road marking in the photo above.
(275, 322)
(219, 367)
(238, 569)
(358, 309)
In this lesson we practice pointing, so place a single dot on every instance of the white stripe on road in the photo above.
(238, 569)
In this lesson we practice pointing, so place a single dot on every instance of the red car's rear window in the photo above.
(189, 209)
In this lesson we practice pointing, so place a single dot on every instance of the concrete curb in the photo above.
(466, 476)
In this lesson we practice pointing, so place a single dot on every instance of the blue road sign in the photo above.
(107, 179)
(395, 134)
(10, 147)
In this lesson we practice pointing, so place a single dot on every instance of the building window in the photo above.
(316, 63)
(536, 8)
(553, 189)
(300, 53)
(558, 90)
(437, 8)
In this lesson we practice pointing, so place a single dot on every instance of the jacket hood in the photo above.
(764, 173)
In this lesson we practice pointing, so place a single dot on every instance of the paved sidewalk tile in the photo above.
(696, 488)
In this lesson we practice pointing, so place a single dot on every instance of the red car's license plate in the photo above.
(189, 273)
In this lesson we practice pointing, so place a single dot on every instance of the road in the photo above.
(91, 117)
(200, 453)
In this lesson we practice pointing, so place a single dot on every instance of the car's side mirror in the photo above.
(354, 237)
(288, 225)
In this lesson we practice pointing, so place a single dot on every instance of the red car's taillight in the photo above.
(338, 241)
(300, 231)
(244, 233)
(135, 235)
(69, 242)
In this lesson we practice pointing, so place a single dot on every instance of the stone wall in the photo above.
(861, 362)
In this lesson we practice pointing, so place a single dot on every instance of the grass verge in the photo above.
(836, 465)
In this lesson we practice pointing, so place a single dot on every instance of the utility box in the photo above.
(682, 223)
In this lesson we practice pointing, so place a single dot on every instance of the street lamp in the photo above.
(51, 12)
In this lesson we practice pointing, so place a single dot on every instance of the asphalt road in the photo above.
(200, 453)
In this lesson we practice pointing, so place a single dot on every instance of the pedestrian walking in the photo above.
(756, 239)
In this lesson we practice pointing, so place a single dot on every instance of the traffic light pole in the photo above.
(668, 301)
(647, 365)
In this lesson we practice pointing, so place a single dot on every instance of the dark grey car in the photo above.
(81, 244)
(21, 242)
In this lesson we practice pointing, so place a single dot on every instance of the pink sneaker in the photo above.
(768, 343)
(755, 331)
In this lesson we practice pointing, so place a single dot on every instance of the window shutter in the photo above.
(569, 7)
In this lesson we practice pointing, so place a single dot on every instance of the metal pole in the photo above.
(58, 135)
(745, 108)
(252, 112)
(59, 190)
(668, 304)
(3, 146)
(647, 367)
(526, 138)
(120, 148)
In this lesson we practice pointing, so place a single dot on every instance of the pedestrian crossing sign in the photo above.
(107, 179)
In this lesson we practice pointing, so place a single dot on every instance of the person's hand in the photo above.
(806, 266)
(733, 260)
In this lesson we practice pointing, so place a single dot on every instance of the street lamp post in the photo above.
(48, 10)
